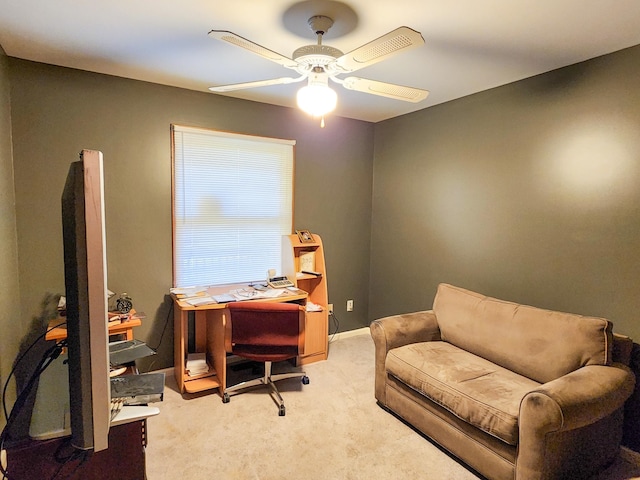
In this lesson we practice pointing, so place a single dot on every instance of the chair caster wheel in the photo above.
(225, 398)
(282, 411)
(305, 380)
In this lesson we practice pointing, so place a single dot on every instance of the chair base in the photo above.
(267, 379)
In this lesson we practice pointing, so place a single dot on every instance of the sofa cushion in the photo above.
(540, 344)
(472, 388)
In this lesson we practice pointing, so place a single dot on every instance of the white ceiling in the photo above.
(470, 45)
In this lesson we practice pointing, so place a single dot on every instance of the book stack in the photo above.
(197, 364)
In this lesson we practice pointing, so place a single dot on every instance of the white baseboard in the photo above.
(351, 333)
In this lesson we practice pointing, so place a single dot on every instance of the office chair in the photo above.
(266, 332)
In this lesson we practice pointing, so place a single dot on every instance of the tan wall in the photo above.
(529, 192)
(58, 111)
(10, 321)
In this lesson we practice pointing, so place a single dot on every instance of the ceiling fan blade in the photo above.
(259, 83)
(390, 90)
(242, 42)
(398, 40)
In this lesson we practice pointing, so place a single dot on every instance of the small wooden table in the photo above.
(60, 332)
(124, 459)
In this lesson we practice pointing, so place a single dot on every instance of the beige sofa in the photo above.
(515, 392)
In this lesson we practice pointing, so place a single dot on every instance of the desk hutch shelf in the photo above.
(309, 256)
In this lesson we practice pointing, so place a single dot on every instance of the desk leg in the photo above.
(216, 347)
(180, 323)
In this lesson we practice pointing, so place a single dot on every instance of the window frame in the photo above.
(177, 219)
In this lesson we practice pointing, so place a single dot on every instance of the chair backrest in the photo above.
(266, 330)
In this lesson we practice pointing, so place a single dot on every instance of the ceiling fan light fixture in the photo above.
(317, 98)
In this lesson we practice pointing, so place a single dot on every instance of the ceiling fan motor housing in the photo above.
(311, 56)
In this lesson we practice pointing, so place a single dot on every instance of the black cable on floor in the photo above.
(336, 322)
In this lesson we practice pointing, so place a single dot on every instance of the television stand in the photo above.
(124, 459)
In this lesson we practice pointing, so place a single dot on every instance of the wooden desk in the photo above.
(60, 333)
(210, 322)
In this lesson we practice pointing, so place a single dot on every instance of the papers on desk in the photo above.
(187, 292)
(224, 298)
(198, 296)
(197, 301)
(193, 295)
(242, 294)
(268, 293)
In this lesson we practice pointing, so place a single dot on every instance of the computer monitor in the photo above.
(85, 275)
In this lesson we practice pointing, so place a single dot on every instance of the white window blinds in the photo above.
(232, 202)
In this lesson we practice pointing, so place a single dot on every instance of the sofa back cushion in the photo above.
(540, 344)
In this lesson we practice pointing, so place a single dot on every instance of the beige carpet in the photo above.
(333, 430)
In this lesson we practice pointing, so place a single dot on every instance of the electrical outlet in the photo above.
(330, 308)
(349, 305)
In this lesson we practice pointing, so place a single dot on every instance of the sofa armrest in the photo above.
(622, 348)
(573, 401)
(396, 331)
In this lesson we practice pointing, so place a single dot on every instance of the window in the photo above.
(232, 202)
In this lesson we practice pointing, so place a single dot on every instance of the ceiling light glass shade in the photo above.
(317, 100)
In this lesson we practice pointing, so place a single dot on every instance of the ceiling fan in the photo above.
(320, 63)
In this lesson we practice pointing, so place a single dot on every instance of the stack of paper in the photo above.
(197, 364)
(313, 307)
(187, 292)
(197, 301)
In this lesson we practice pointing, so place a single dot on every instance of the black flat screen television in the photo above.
(85, 273)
